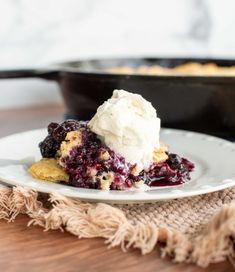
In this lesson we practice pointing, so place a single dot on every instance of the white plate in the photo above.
(214, 161)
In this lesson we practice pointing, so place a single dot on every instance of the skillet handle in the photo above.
(30, 73)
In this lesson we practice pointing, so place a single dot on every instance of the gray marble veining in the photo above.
(35, 33)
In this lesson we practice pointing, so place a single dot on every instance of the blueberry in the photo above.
(51, 127)
(59, 134)
(48, 147)
(71, 125)
(174, 160)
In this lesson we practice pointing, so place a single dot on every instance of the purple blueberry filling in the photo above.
(56, 134)
(91, 163)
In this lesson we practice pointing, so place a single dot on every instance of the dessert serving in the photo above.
(117, 149)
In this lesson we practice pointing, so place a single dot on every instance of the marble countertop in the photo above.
(35, 33)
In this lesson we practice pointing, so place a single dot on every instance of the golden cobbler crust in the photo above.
(160, 155)
(48, 169)
(73, 138)
(190, 68)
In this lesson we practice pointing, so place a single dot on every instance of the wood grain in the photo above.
(31, 249)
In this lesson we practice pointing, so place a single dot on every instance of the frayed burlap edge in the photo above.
(85, 220)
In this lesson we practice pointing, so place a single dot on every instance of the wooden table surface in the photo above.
(25, 248)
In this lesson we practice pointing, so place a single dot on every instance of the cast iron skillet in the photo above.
(197, 103)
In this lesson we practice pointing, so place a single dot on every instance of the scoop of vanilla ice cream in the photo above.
(128, 124)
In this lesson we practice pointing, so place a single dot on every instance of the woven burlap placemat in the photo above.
(196, 230)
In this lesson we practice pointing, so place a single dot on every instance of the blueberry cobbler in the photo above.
(117, 149)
